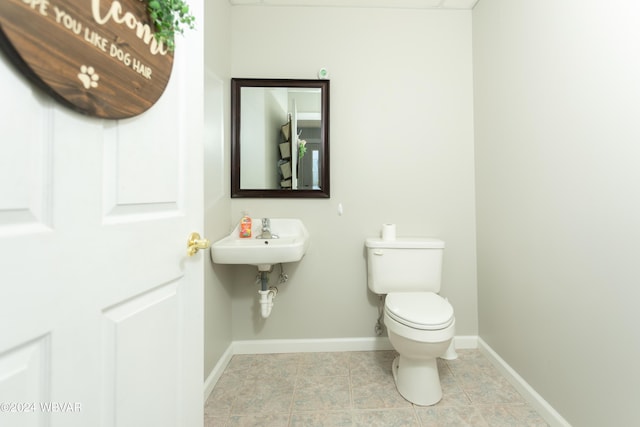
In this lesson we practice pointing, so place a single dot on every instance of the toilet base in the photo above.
(417, 380)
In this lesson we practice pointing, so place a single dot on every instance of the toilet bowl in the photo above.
(420, 323)
(421, 327)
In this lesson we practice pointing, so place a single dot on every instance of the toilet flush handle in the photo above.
(378, 253)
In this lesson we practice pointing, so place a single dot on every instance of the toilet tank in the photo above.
(404, 265)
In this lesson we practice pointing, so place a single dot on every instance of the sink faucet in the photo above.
(266, 230)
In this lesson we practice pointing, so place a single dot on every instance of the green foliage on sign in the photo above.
(170, 17)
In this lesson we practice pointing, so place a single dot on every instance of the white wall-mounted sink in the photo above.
(290, 245)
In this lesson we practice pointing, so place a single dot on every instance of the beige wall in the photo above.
(557, 102)
(556, 99)
(218, 281)
(401, 152)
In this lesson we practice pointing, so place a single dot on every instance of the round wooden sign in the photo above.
(99, 57)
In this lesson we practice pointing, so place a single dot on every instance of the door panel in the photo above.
(24, 372)
(101, 306)
(146, 324)
(25, 158)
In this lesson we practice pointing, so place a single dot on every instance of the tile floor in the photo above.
(357, 389)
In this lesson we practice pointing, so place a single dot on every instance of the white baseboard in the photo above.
(308, 346)
(545, 410)
(329, 345)
(311, 345)
(465, 342)
(217, 371)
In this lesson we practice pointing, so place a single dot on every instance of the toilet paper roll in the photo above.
(388, 232)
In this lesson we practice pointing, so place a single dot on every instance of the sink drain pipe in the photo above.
(266, 294)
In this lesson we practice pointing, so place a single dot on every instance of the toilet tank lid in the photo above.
(405, 243)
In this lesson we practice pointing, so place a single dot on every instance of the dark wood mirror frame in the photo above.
(236, 191)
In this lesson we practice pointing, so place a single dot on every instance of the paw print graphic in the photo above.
(88, 77)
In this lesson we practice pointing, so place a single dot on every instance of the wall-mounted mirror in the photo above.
(279, 138)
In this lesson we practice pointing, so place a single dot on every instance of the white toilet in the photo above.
(420, 323)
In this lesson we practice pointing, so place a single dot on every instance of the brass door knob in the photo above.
(195, 243)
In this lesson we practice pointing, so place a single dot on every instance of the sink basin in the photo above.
(290, 246)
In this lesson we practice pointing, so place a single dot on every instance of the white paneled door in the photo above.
(101, 317)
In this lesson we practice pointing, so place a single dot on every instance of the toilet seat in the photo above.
(420, 310)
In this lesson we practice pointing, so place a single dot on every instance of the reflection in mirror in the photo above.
(280, 138)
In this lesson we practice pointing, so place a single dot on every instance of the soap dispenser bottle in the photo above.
(245, 226)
